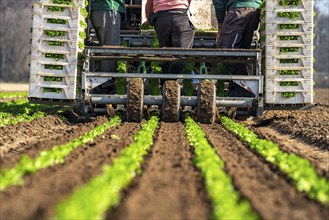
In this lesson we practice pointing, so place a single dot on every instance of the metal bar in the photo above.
(167, 59)
(170, 76)
(185, 101)
(209, 52)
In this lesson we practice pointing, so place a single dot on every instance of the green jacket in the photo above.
(108, 5)
(222, 6)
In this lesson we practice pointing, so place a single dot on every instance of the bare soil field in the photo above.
(170, 186)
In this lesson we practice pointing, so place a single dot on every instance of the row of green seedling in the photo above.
(27, 165)
(20, 111)
(104, 190)
(227, 202)
(8, 95)
(299, 170)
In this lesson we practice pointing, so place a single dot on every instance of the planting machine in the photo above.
(64, 67)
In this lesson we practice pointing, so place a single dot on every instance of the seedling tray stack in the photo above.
(288, 51)
(58, 33)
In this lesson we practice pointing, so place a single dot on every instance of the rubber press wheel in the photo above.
(206, 105)
(171, 101)
(135, 95)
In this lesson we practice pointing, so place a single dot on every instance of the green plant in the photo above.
(55, 56)
(56, 21)
(293, 37)
(65, 2)
(289, 72)
(299, 170)
(13, 94)
(288, 26)
(52, 33)
(55, 8)
(227, 203)
(288, 60)
(288, 49)
(104, 190)
(55, 43)
(54, 90)
(290, 83)
(291, 15)
(52, 79)
(289, 2)
(53, 67)
(56, 155)
(288, 94)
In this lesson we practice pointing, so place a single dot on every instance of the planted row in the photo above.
(104, 190)
(7, 95)
(227, 203)
(56, 155)
(20, 111)
(298, 169)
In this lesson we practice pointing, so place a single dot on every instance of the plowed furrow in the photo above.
(44, 189)
(170, 187)
(32, 138)
(271, 195)
(319, 158)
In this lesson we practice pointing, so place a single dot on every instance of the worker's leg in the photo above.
(237, 32)
(107, 28)
(163, 28)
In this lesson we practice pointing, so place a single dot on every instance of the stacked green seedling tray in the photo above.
(58, 33)
(287, 43)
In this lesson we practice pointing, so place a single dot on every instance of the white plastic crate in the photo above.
(61, 92)
(275, 4)
(304, 62)
(303, 73)
(75, 3)
(69, 35)
(303, 28)
(275, 84)
(47, 22)
(280, 39)
(47, 80)
(305, 16)
(301, 97)
(38, 67)
(45, 56)
(67, 11)
(298, 49)
(66, 46)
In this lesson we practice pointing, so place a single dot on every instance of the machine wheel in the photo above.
(171, 101)
(206, 108)
(135, 94)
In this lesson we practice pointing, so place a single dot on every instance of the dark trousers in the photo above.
(174, 29)
(107, 28)
(237, 32)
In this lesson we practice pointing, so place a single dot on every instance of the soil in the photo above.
(170, 186)
(43, 190)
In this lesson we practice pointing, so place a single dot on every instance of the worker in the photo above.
(172, 26)
(237, 21)
(106, 20)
